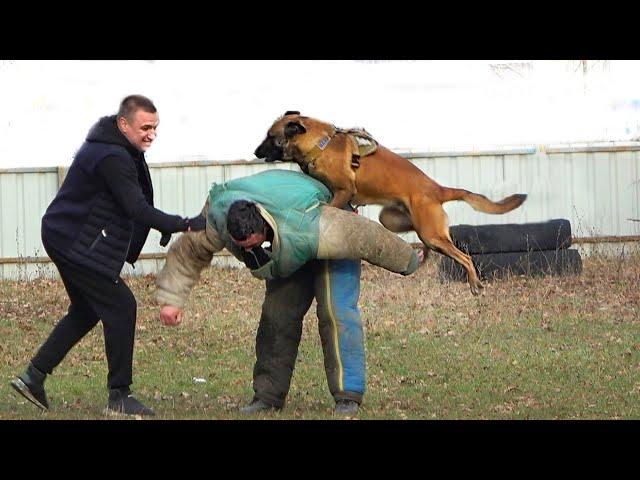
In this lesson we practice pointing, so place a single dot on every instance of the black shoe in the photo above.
(258, 405)
(346, 407)
(122, 402)
(30, 385)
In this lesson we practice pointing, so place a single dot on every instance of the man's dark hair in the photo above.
(133, 103)
(243, 219)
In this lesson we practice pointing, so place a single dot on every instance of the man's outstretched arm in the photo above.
(186, 259)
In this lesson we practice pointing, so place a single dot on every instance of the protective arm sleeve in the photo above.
(186, 259)
(345, 235)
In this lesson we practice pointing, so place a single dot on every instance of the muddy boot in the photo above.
(346, 407)
(258, 406)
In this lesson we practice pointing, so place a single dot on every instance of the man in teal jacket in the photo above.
(314, 250)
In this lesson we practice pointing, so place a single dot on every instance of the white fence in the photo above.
(596, 187)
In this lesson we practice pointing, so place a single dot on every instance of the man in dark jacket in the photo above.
(99, 219)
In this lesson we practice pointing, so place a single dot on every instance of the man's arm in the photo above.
(121, 178)
(186, 259)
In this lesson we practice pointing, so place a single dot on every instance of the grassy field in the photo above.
(528, 348)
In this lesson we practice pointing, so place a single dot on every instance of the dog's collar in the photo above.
(311, 156)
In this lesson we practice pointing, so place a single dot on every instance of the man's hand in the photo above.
(170, 315)
(421, 256)
(196, 224)
(165, 239)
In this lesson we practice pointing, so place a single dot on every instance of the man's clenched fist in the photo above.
(170, 315)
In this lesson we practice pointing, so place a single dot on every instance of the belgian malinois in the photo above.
(411, 200)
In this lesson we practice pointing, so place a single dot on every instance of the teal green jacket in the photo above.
(290, 202)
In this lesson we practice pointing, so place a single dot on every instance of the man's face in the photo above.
(141, 130)
(253, 240)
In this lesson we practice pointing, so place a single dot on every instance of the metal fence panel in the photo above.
(597, 189)
(24, 197)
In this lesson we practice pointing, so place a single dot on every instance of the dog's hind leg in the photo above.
(431, 225)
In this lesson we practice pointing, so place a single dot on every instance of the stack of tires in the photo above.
(530, 249)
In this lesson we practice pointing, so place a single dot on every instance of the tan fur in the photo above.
(412, 200)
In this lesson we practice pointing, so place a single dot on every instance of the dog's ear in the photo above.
(291, 112)
(293, 128)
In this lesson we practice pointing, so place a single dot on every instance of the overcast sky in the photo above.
(220, 110)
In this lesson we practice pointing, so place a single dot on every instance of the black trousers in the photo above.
(93, 297)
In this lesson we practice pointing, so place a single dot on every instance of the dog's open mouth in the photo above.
(266, 158)
(268, 151)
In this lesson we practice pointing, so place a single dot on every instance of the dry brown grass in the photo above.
(549, 347)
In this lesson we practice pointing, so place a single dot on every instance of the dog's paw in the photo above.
(477, 288)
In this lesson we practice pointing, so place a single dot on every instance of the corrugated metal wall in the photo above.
(596, 188)
(24, 196)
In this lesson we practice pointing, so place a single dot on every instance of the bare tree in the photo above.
(520, 69)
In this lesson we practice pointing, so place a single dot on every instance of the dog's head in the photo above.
(290, 137)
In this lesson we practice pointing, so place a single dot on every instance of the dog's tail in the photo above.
(482, 203)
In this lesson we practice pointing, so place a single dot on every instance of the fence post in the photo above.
(62, 173)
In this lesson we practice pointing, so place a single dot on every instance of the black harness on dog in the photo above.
(364, 142)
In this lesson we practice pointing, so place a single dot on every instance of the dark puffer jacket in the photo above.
(102, 213)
